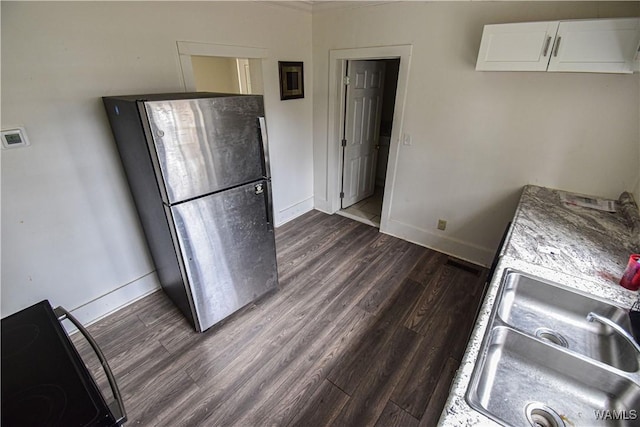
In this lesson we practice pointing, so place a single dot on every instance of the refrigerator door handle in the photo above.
(269, 204)
(265, 146)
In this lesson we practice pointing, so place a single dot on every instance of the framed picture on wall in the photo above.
(291, 80)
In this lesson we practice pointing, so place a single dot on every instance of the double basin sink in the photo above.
(554, 357)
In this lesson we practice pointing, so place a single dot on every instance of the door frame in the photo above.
(337, 68)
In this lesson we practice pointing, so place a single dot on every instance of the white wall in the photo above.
(479, 137)
(69, 229)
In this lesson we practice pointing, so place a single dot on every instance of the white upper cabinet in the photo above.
(595, 46)
(516, 47)
(599, 46)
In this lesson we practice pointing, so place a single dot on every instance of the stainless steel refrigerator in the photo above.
(198, 168)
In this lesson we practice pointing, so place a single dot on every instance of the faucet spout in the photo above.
(619, 329)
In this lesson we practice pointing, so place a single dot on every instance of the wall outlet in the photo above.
(442, 224)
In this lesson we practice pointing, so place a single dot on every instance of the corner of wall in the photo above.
(292, 212)
(113, 301)
(322, 205)
(454, 247)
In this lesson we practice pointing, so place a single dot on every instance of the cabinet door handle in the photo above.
(546, 46)
(556, 46)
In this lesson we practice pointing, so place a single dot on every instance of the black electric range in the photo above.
(44, 380)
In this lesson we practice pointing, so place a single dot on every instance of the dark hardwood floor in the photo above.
(366, 330)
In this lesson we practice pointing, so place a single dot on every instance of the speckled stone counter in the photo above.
(578, 247)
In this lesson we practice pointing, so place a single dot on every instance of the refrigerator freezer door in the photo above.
(227, 243)
(205, 145)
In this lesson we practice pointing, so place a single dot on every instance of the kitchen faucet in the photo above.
(619, 329)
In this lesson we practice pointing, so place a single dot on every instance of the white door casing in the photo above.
(362, 125)
(244, 76)
(329, 201)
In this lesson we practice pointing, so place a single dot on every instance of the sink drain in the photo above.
(552, 337)
(540, 415)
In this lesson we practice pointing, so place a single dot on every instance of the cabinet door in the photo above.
(599, 46)
(516, 47)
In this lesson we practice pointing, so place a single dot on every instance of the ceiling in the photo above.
(319, 5)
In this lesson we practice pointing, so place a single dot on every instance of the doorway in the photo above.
(329, 201)
(227, 75)
(221, 68)
(370, 97)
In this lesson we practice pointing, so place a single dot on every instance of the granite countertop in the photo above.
(578, 247)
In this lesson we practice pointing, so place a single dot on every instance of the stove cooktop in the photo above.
(44, 380)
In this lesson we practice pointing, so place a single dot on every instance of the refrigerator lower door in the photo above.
(227, 243)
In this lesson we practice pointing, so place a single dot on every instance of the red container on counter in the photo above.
(631, 276)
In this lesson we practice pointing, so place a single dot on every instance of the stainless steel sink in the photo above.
(523, 381)
(559, 316)
(542, 363)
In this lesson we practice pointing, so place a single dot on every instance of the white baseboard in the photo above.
(448, 245)
(109, 303)
(287, 214)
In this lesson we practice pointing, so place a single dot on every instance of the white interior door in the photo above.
(362, 125)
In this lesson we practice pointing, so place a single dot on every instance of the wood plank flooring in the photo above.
(366, 330)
